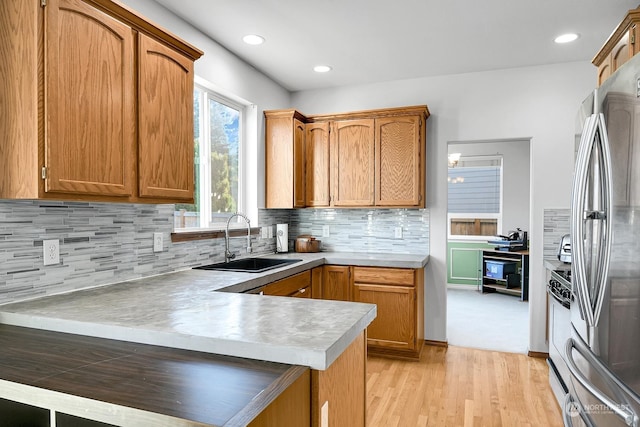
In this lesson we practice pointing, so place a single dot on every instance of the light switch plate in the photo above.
(158, 242)
(51, 251)
(264, 233)
(270, 232)
(326, 231)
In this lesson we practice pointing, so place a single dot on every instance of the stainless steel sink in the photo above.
(249, 265)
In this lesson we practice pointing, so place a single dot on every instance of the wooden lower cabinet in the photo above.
(298, 286)
(291, 408)
(342, 388)
(336, 283)
(398, 329)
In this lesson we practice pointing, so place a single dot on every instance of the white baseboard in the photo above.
(462, 287)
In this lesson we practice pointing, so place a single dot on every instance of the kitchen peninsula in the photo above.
(201, 311)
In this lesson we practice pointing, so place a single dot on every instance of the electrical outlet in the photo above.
(324, 414)
(264, 233)
(51, 251)
(158, 242)
(326, 231)
(398, 232)
(270, 232)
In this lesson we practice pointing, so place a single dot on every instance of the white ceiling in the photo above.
(382, 40)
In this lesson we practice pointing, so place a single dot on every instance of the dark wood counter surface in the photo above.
(123, 379)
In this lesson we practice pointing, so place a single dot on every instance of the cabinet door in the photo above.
(165, 122)
(352, 160)
(395, 324)
(399, 161)
(621, 52)
(317, 164)
(336, 283)
(90, 106)
(284, 160)
(299, 198)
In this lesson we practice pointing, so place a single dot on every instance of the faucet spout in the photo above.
(227, 253)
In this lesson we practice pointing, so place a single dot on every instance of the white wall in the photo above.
(534, 102)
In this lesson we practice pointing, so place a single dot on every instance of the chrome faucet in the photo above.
(227, 253)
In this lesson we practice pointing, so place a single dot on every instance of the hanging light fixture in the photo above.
(454, 158)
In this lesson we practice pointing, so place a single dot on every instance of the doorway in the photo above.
(488, 195)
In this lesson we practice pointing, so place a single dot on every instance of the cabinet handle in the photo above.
(302, 290)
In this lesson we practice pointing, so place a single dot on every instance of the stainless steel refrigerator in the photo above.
(603, 353)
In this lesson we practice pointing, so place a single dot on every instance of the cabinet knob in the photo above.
(302, 290)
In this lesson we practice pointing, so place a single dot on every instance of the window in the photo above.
(218, 144)
(475, 197)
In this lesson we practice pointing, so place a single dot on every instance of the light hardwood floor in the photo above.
(458, 386)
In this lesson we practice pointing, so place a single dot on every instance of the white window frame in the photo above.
(205, 158)
(246, 125)
(497, 216)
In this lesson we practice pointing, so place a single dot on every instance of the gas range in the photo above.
(559, 287)
(559, 290)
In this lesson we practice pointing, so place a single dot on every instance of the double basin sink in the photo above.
(249, 265)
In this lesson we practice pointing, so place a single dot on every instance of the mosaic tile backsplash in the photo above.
(626, 234)
(365, 230)
(556, 224)
(102, 243)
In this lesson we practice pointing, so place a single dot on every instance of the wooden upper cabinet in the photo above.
(352, 162)
(399, 170)
(90, 109)
(284, 159)
(299, 153)
(621, 52)
(165, 122)
(317, 164)
(86, 119)
(358, 159)
(619, 47)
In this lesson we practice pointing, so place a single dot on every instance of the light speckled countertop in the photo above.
(183, 310)
(554, 264)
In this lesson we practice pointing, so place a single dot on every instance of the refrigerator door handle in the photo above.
(577, 225)
(622, 410)
(607, 202)
(594, 139)
(569, 410)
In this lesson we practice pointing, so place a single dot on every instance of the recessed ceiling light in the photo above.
(253, 39)
(322, 68)
(566, 38)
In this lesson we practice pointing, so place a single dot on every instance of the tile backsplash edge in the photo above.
(102, 243)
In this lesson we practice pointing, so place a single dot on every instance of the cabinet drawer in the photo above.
(386, 276)
(290, 285)
(302, 293)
